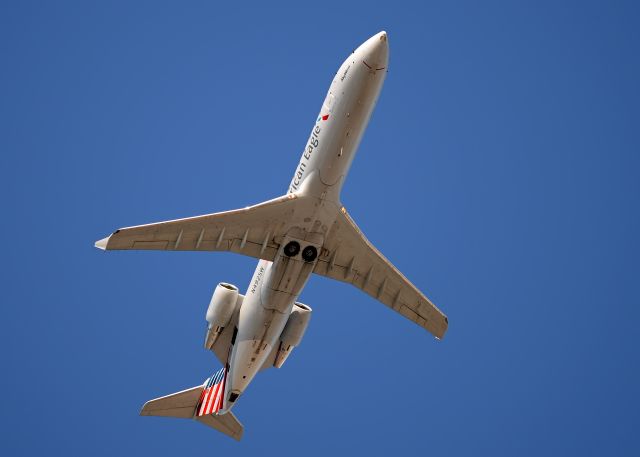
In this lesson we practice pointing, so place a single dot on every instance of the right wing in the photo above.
(350, 257)
(249, 231)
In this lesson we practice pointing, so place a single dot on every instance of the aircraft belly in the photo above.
(264, 313)
(349, 119)
(258, 330)
(276, 285)
(285, 280)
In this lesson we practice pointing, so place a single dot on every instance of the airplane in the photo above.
(305, 231)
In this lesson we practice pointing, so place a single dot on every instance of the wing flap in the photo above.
(150, 245)
(350, 257)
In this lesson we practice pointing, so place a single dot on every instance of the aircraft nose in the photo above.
(375, 51)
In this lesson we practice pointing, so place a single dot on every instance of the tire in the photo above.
(292, 249)
(309, 254)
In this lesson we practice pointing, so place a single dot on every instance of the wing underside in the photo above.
(252, 231)
(257, 231)
(349, 257)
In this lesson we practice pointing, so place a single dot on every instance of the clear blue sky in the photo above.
(500, 173)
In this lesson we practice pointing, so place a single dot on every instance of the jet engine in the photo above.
(221, 308)
(293, 332)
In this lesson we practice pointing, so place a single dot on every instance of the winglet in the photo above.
(102, 244)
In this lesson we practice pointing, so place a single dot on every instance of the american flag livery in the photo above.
(212, 395)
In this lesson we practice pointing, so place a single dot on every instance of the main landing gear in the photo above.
(292, 249)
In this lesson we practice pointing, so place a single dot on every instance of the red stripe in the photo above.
(211, 398)
(224, 385)
(204, 390)
(220, 396)
(205, 409)
(204, 402)
(200, 402)
(212, 395)
(201, 398)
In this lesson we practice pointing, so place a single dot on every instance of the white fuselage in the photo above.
(317, 182)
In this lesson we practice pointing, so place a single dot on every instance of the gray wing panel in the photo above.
(181, 404)
(349, 257)
(252, 231)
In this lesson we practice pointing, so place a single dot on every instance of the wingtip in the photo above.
(144, 411)
(102, 244)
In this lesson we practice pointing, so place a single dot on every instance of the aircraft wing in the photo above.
(351, 258)
(249, 231)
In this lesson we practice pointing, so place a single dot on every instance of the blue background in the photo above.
(500, 173)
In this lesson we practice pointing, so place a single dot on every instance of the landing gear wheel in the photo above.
(291, 249)
(309, 254)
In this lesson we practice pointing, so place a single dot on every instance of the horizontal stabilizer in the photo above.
(226, 423)
(181, 404)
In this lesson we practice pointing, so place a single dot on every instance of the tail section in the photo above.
(226, 423)
(201, 403)
(181, 404)
(213, 394)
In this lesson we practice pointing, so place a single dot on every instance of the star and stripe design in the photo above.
(212, 397)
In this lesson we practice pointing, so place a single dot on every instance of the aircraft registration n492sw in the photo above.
(305, 231)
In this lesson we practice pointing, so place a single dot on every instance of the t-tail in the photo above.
(203, 403)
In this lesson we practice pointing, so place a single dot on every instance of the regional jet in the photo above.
(305, 231)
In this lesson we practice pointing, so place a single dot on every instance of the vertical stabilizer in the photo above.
(212, 397)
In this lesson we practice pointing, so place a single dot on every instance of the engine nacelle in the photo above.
(221, 308)
(293, 332)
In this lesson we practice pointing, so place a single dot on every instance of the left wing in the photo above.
(250, 231)
(349, 257)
